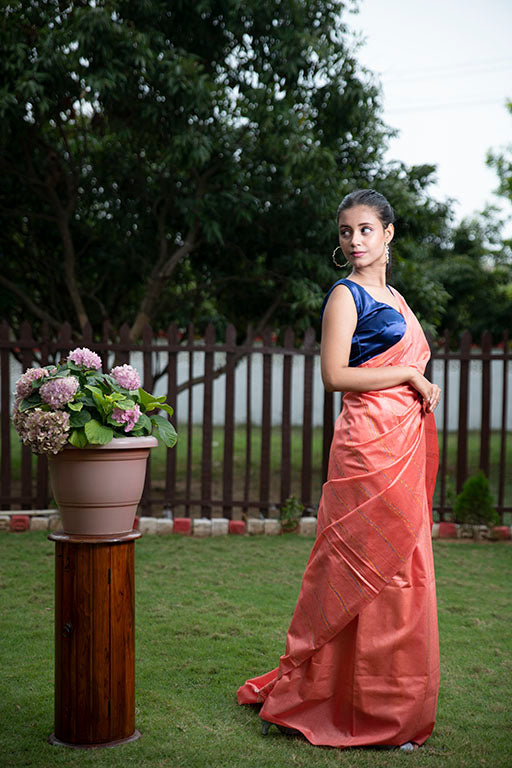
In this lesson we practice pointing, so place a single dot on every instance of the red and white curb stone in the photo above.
(203, 527)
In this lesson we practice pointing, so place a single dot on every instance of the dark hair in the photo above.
(372, 199)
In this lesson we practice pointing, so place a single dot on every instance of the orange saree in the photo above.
(361, 664)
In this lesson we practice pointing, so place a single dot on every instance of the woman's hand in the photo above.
(430, 392)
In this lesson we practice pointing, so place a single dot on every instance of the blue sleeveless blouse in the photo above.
(379, 325)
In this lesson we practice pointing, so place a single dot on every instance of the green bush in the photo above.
(290, 514)
(474, 504)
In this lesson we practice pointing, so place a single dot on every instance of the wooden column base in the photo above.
(55, 742)
(94, 641)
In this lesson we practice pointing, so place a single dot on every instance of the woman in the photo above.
(361, 665)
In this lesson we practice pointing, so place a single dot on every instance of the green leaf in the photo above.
(144, 422)
(114, 385)
(87, 401)
(115, 397)
(167, 408)
(145, 398)
(75, 406)
(97, 434)
(29, 402)
(59, 374)
(99, 399)
(157, 405)
(166, 430)
(125, 405)
(71, 366)
(78, 438)
(79, 419)
(94, 390)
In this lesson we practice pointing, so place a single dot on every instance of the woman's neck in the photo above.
(374, 276)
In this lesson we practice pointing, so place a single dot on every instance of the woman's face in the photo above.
(362, 236)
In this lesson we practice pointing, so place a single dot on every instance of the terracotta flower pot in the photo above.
(98, 488)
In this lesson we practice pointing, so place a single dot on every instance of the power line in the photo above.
(447, 105)
(503, 62)
(447, 74)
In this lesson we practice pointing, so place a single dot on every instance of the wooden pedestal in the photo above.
(94, 640)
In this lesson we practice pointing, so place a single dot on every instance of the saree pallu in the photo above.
(361, 664)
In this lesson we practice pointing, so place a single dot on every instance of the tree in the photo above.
(502, 163)
(183, 162)
(476, 274)
(139, 138)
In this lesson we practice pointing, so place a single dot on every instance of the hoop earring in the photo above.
(346, 264)
(386, 251)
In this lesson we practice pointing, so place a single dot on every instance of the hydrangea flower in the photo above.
(58, 392)
(75, 403)
(43, 431)
(126, 376)
(84, 356)
(24, 383)
(129, 417)
(17, 417)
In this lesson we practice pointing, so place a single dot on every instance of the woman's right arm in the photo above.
(338, 326)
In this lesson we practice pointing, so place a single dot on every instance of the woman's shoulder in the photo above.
(341, 290)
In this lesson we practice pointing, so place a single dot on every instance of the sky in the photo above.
(446, 71)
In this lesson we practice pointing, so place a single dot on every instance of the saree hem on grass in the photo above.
(361, 663)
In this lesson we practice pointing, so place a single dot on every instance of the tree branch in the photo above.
(21, 294)
(163, 269)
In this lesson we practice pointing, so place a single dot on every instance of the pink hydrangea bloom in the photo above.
(58, 392)
(129, 417)
(24, 383)
(126, 376)
(84, 356)
(43, 431)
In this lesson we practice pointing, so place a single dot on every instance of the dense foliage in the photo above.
(474, 504)
(183, 162)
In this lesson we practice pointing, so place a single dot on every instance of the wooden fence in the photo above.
(237, 469)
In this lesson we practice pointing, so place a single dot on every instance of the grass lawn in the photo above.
(211, 613)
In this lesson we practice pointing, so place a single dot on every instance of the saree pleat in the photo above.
(361, 663)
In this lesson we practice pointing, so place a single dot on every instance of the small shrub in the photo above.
(474, 504)
(290, 514)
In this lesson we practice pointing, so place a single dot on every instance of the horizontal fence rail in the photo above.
(254, 422)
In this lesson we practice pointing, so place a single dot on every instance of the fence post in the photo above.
(190, 413)
(172, 386)
(206, 455)
(307, 420)
(27, 344)
(286, 432)
(229, 423)
(123, 354)
(266, 421)
(462, 442)
(5, 413)
(42, 461)
(248, 420)
(444, 449)
(147, 383)
(503, 441)
(485, 427)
